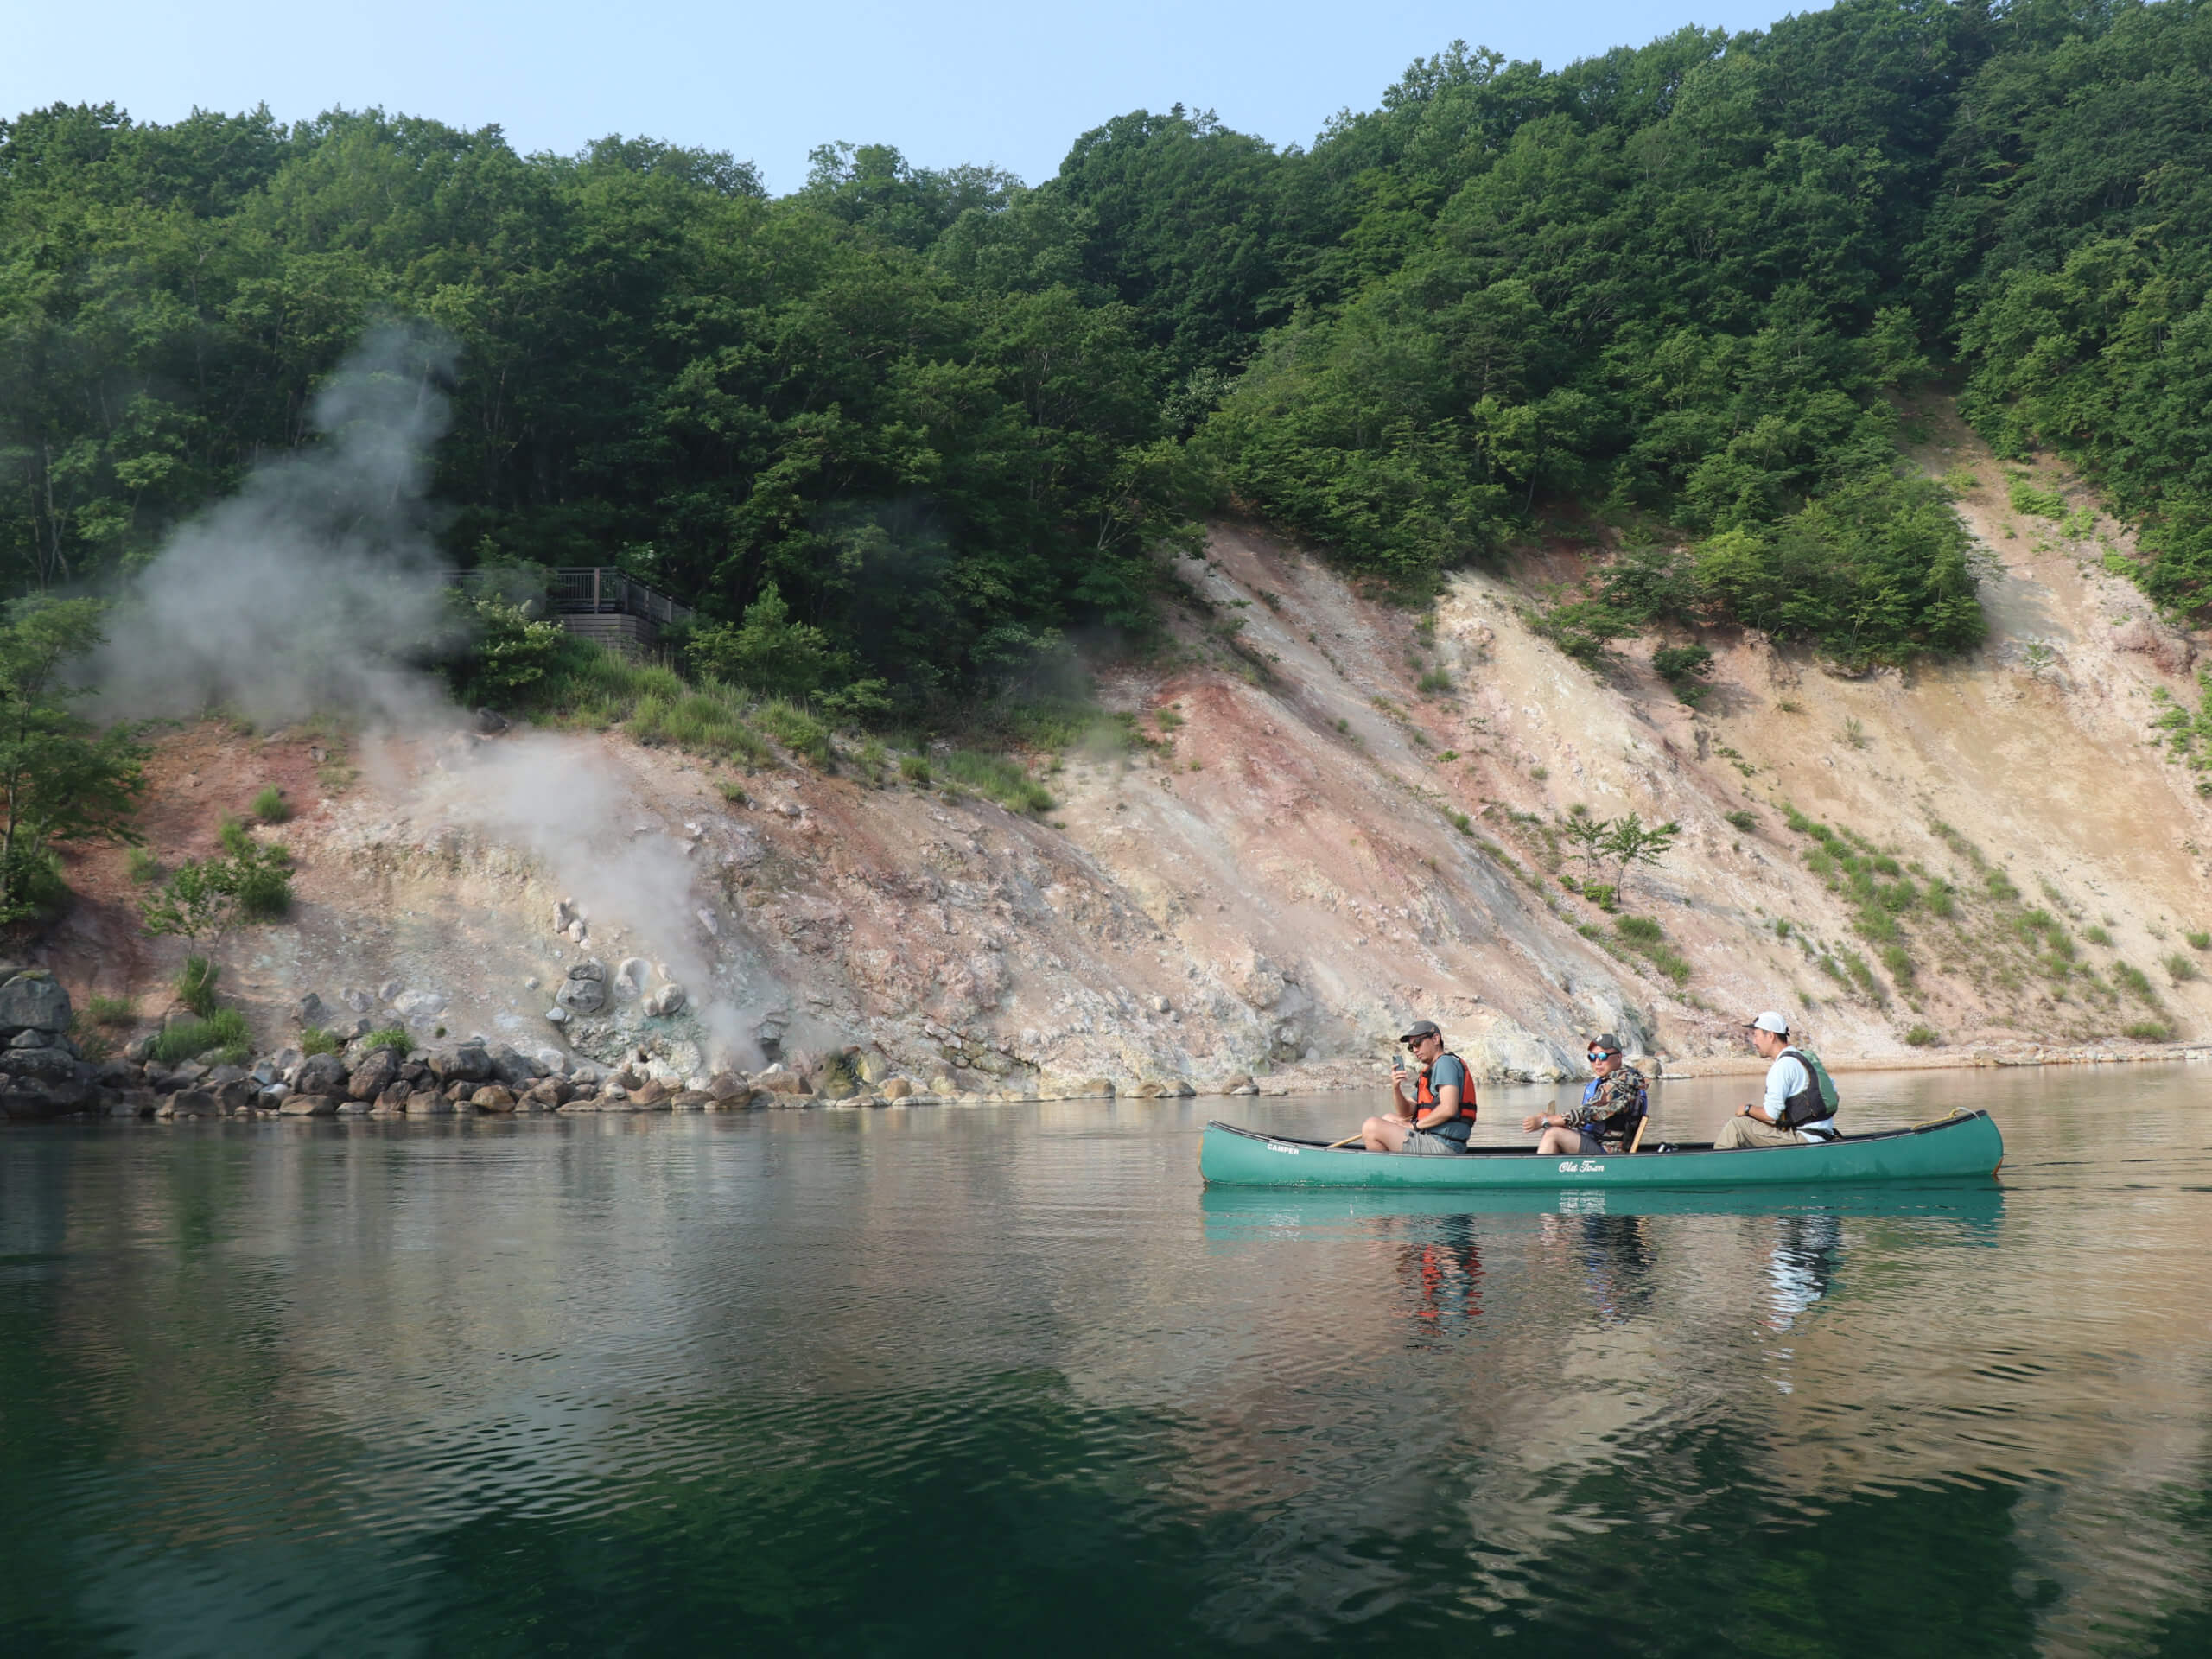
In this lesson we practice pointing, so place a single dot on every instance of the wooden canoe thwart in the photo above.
(1962, 1147)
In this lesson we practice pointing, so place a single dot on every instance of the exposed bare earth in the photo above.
(1278, 883)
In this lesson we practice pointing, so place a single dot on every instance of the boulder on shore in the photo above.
(318, 1074)
(34, 1000)
(378, 1070)
(584, 990)
(469, 1063)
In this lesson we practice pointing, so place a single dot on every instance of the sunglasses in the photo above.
(1604, 1054)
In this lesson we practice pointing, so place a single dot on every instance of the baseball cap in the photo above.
(1769, 1021)
(1606, 1043)
(1421, 1028)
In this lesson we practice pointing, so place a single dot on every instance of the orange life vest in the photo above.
(1424, 1096)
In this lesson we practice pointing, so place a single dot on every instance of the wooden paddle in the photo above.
(1396, 1071)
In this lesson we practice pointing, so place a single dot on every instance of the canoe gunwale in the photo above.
(1675, 1149)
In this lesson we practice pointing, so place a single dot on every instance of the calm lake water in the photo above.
(981, 1381)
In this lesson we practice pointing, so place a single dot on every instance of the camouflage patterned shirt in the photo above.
(1625, 1090)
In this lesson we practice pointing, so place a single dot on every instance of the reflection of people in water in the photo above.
(1807, 1251)
(1615, 1255)
(1444, 1274)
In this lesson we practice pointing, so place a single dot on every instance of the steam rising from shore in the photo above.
(304, 590)
(310, 591)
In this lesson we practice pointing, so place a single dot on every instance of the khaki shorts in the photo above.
(1429, 1144)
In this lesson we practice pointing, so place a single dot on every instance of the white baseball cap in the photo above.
(1769, 1021)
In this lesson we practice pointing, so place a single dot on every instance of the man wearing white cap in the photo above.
(1800, 1102)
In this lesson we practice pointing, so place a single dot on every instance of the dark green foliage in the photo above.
(252, 882)
(1874, 570)
(223, 1030)
(195, 984)
(60, 780)
(193, 901)
(2073, 245)
(1684, 668)
(1670, 279)
(894, 396)
(1746, 820)
(270, 806)
(896, 434)
(511, 655)
(1196, 228)
(768, 652)
(258, 878)
(317, 1040)
(1922, 1036)
(394, 1038)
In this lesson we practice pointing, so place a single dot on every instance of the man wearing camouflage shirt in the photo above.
(1615, 1098)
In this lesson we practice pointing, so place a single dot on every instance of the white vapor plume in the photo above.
(309, 592)
(577, 812)
(301, 591)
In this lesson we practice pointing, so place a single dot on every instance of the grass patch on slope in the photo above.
(996, 776)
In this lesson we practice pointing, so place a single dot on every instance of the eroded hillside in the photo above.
(1338, 816)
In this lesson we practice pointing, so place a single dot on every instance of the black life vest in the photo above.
(1425, 1101)
(1808, 1105)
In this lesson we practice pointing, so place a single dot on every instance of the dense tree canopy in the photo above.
(934, 418)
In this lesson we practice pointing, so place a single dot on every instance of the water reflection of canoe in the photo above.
(1956, 1148)
(1231, 1211)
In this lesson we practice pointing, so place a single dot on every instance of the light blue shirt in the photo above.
(1785, 1078)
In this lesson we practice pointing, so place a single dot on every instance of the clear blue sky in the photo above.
(957, 81)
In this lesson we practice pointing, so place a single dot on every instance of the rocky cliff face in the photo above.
(1342, 816)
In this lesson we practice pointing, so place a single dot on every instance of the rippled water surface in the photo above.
(947, 1381)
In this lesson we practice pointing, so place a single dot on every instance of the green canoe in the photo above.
(1953, 1149)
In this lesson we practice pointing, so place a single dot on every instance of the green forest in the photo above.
(922, 424)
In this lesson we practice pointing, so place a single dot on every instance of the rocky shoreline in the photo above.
(45, 1073)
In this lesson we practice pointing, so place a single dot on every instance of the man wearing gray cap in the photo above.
(1800, 1101)
(1440, 1113)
